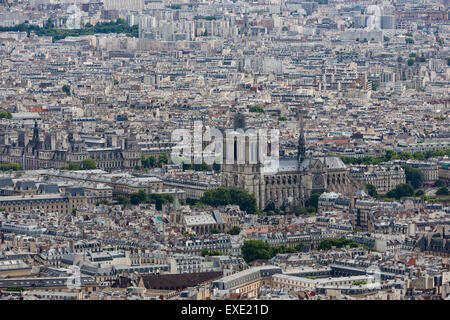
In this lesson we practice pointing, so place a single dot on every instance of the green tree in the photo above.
(255, 249)
(10, 166)
(390, 155)
(313, 201)
(210, 253)
(419, 156)
(123, 200)
(88, 164)
(338, 243)
(256, 109)
(406, 155)
(413, 176)
(223, 196)
(216, 197)
(269, 207)
(5, 115)
(66, 89)
(138, 197)
(163, 159)
(401, 190)
(419, 193)
(439, 183)
(372, 190)
(216, 166)
(234, 231)
(442, 191)
(160, 199)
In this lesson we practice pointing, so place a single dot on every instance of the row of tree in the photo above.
(327, 244)
(87, 164)
(10, 166)
(142, 197)
(118, 26)
(223, 196)
(258, 249)
(151, 161)
(392, 155)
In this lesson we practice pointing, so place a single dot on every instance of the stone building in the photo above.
(384, 178)
(59, 149)
(294, 180)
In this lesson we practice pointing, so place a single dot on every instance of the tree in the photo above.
(372, 190)
(413, 176)
(443, 191)
(163, 159)
(419, 156)
(5, 115)
(223, 196)
(234, 231)
(121, 199)
(88, 164)
(210, 253)
(256, 109)
(439, 183)
(10, 166)
(401, 190)
(66, 89)
(255, 249)
(216, 166)
(419, 193)
(216, 197)
(160, 199)
(313, 201)
(406, 155)
(390, 155)
(338, 243)
(269, 207)
(138, 197)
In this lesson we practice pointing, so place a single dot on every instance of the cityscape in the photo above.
(224, 150)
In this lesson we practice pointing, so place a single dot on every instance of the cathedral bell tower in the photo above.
(301, 143)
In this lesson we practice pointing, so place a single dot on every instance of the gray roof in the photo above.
(48, 188)
(328, 162)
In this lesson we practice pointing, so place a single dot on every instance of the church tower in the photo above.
(245, 170)
(301, 143)
(35, 140)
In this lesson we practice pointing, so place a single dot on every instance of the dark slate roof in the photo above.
(75, 191)
(6, 182)
(26, 185)
(122, 282)
(48, 188)
(178, 281)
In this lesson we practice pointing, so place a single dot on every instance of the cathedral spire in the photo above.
(36, 132)
(301, 142)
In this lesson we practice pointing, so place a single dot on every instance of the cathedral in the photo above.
(295, 180)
